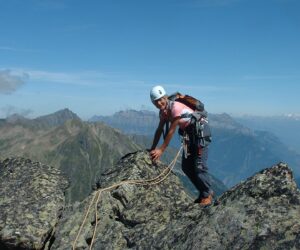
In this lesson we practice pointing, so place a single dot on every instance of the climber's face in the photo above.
(161, 103)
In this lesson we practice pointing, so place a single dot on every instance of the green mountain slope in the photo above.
(81, 150)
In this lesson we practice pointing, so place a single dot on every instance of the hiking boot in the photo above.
(207, 201)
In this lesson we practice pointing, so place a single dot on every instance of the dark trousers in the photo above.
(195, 167)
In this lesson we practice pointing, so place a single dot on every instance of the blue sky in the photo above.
(99, 57)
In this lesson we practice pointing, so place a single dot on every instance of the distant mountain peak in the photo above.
(14, 118)
(63, 112)
(134, 113)
(224, 120)
(57, 118)
(131, 121)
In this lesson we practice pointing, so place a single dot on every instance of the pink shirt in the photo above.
(176, 110)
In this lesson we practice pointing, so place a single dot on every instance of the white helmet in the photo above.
(156, 93)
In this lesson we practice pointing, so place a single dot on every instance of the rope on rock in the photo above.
(158, 179)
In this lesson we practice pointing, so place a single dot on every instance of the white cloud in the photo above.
(7, 48)
(115, 80)
(90, 78)
(12, 49)
(9, 110)
(84, 78)
(9, 82)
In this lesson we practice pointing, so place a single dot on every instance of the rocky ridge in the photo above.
(262, 212)
(129, 215)
(47, 121)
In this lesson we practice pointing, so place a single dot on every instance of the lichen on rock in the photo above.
(129, 215)
(262, 212)
(31, 202)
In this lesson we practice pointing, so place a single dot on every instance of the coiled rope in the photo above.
(158, 179)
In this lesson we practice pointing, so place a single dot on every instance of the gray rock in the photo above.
(260, 213)
(129, 215)
(31, 202)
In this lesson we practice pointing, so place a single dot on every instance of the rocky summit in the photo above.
(129, 216)
(262, 212)
(31, 202)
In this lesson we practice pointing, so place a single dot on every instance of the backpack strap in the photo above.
(167, 124)
(191, 102)
(197, 115)
(175, 96)
(166, 130)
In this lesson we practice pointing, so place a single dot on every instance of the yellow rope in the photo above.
(83, 222)
(161, 177)
(96, 217)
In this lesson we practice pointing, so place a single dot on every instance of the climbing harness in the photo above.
(185, 144)
(156, 180)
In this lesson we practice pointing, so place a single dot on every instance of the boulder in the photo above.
(31, 202)
(129, 215)
(261, 213)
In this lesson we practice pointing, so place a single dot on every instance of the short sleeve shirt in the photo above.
(177, 109)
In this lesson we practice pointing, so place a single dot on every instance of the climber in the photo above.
(194, 161)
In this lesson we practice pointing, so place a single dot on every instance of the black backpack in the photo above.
(199, 126)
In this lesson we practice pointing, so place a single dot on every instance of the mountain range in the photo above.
(285, 127)
(131, 121)
(81, 150)
(235, 153)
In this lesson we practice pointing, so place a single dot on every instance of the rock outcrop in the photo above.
(129, 216)
(262, 212)
(31, 202)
